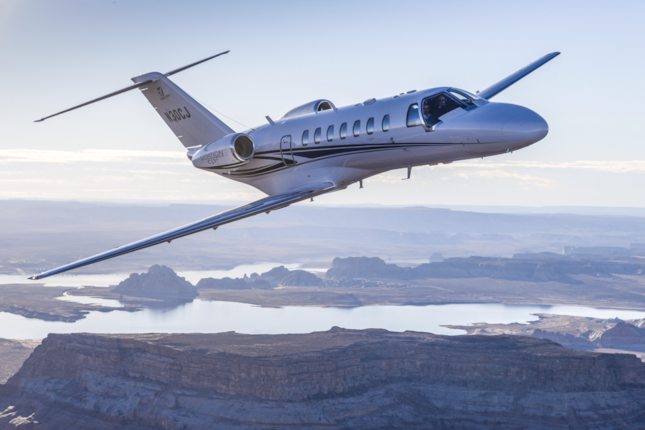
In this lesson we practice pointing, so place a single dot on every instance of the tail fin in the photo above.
(193, 124)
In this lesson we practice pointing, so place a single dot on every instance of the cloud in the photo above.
(8, 156)
(633, 166)
(506, 174)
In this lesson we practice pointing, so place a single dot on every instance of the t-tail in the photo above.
(192, 123)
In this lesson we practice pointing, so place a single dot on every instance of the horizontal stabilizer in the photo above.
(264, 205)
(500, 86)
(132, 87)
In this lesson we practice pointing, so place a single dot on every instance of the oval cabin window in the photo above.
(317, 135)
(386, 123)
(370, 126)
(305, 138)
(357, 128)
(343, 130)
(330, 133)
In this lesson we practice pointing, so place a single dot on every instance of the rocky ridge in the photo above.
(159, 281)
(522, 267)
(584, 333)
(337, 379)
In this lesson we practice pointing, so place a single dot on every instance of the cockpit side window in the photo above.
(437, 106)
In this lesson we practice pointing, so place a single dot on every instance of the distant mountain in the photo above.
(160, 281)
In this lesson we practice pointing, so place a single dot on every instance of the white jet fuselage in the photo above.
(284, 159)
(317, 148)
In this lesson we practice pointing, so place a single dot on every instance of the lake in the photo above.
(204, 316)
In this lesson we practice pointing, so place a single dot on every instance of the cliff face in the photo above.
(12, 354)
(338, 379)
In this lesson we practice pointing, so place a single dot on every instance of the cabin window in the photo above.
(330, 133)
(305, 138)
(317, 134)
(437, 106)
(343, 130)
(386, 123)
(413, 118)
(370, 126)
(357, 128)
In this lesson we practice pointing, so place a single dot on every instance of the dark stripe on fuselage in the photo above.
(329, 152)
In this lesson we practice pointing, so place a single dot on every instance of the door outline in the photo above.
(286, 147)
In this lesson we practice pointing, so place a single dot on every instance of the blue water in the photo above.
(203, 316)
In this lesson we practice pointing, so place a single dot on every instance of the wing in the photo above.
(264, 205)
(500, 86)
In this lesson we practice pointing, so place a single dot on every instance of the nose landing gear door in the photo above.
(286, 152)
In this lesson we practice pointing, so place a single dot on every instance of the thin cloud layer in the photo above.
(90, 155)
(179, 157)
(633, 166)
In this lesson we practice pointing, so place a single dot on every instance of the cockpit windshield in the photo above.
(436, 106)
(463, 97)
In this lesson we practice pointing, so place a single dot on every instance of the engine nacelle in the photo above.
(228, 153)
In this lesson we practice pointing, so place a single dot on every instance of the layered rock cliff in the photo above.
(336, 379)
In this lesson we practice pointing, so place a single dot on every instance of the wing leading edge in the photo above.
(500, 86)
(264, 205)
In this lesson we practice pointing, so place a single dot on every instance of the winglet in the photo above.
(500, 86)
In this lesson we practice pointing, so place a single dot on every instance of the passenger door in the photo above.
(286, 152)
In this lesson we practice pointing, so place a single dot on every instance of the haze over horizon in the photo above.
(64, 53)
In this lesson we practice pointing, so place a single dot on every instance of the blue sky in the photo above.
(57, 54)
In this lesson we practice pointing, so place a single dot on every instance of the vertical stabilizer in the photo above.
(191, 122)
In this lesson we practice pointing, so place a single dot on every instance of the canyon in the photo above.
(335, 379)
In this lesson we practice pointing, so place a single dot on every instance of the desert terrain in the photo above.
(558, 372)
(336, 379)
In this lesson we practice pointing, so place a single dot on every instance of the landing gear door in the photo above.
(286, 152)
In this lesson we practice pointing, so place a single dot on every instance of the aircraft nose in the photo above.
(524, 128)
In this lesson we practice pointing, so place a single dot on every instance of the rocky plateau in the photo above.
(336, 379)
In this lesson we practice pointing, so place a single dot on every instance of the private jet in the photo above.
(318, 148)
